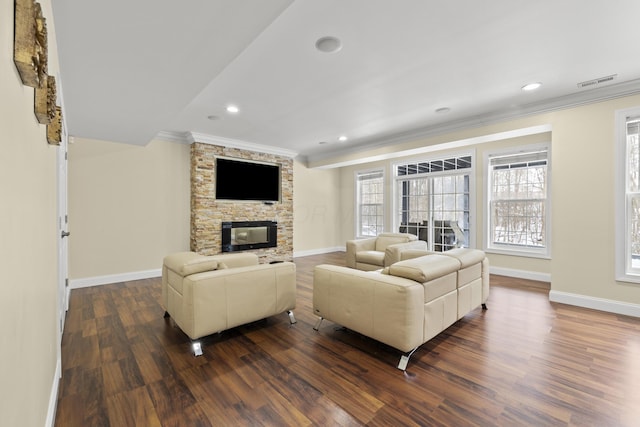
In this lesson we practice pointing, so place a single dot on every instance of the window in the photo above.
(433, 201)
(518, 202)
(628, 196)
(370, 203)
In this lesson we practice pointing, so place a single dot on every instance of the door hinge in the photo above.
(66, 282)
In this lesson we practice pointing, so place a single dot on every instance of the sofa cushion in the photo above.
(370, 257)
(466, 256)
(425, 268)
(186, 263)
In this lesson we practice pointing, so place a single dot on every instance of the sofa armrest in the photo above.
(393, 253)
(386, 308)
(357, 245)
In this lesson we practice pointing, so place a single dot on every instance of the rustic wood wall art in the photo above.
(30, 54)
(45, 101)
(54, 129)
(30, 43)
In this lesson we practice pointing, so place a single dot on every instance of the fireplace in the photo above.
(244, 235)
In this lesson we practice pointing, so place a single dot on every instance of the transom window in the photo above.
(370, 203)
(518, 194)
(433, 201)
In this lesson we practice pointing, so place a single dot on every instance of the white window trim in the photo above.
(472, 186)
(356, 223)
(544, 253)
(621, 235)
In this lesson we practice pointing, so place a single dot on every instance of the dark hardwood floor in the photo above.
(524, 361)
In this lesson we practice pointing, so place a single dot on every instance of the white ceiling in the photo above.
(133, 70)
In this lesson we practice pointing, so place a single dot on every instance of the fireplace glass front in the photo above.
(244, 235)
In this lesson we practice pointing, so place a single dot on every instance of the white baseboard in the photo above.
(318, 251)
(520, 274)
(114, 278)
(53, 396)
(601, 304)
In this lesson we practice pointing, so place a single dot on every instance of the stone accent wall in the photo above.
(207, 213)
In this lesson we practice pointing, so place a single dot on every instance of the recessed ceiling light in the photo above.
(531, 86)
(328, 44)
(342, 138)
(443, 110)
(322, 142)
(212, 117)
(232, 109)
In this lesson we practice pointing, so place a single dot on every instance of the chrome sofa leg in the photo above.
(404, 360)
(317, 326)
(292, 318)
(196, 346)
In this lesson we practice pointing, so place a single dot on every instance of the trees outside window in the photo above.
(518, 195)
(628, 195)
(370, 203)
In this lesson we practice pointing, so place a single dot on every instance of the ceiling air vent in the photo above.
(597, 81)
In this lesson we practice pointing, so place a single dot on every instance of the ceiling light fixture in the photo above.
(443, 110)
(232, 109)
(212, 117)
(342, 138)
(531, 86)
(328, 44)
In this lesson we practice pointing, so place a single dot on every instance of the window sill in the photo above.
(518, 253)
(628, 278)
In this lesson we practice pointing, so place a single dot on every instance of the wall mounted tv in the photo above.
(247, 180)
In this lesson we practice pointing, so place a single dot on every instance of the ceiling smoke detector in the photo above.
(597, 81)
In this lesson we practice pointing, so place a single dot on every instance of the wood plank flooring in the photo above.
(523, 362)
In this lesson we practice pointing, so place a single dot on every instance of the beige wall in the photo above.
(317, 216)
(28, 248)
(583, 216)
(129, 206)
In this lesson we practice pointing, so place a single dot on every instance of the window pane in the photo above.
(518, 198)
(633, 156)
(435, 203)
(370, 194)
(635, 231)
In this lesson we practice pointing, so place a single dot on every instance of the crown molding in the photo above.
(191, 137)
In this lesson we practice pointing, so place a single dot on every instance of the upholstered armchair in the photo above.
(209, 294)
(381, 251)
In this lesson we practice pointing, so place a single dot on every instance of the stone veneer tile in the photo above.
(207, 213)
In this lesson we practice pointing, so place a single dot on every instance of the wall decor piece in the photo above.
(54, 129)
(45, 101)
(30, 43)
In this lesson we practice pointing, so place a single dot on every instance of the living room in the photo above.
(130, 205)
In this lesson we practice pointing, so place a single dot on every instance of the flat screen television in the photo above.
(247, 180)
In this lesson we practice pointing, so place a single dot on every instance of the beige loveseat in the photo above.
(406, 304)
(381, 251)
(208, 294)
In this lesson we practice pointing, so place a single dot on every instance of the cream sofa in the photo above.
(407, 303)
(377, 252)
(208, 294)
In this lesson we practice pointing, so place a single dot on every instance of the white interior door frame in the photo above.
(63, 227)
